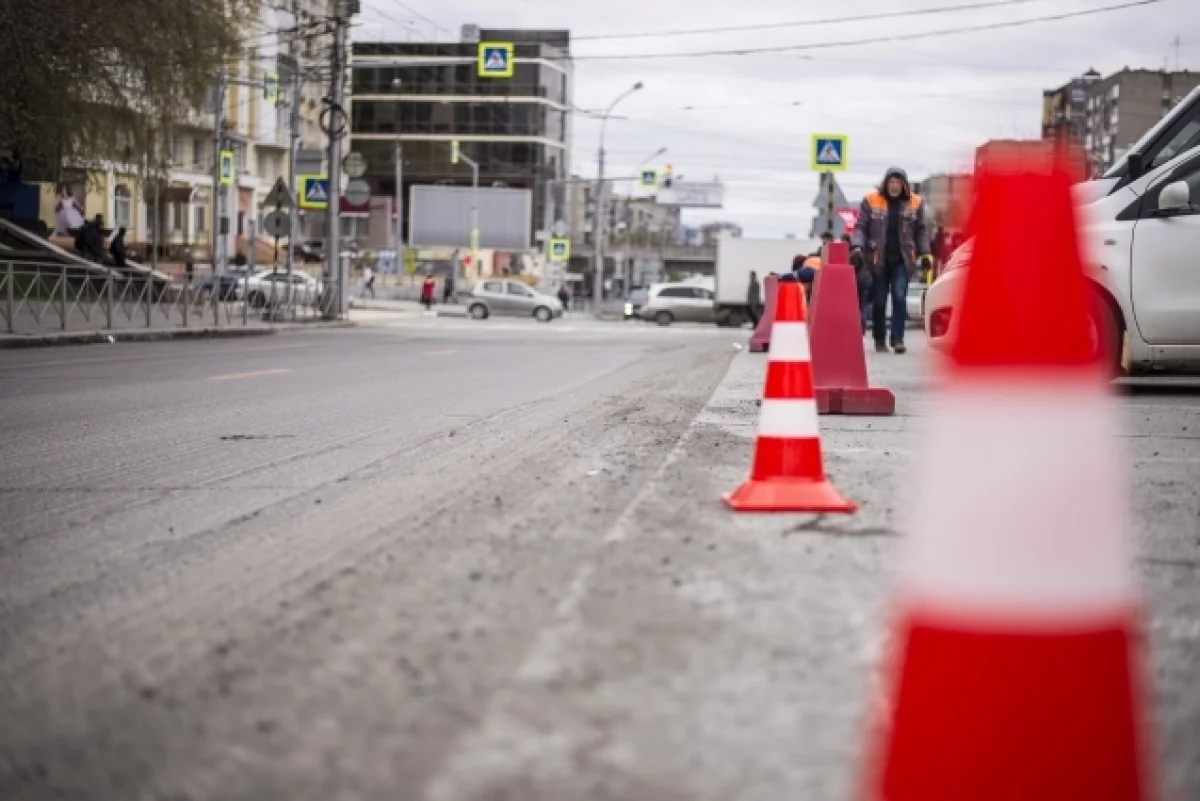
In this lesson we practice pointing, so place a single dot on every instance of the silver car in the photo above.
(670, 303)
(513, 299)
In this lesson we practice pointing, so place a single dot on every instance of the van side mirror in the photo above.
(1175, 198)
(1137, 165)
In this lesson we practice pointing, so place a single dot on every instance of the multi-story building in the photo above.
(1122, 107)
(418, 97)
(1063, 117)
(947, 199)
(256, 127)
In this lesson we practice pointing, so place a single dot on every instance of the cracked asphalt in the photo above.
(435, 561)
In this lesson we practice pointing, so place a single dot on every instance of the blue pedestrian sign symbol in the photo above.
(648, 179)
(314, 192)
(830, 152)
(560, 250)
(495, 60)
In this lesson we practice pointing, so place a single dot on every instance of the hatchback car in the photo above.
(511, 299)
(670, 303)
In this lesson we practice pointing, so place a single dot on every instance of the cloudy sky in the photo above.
(923, 103)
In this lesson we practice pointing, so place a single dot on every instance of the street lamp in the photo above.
(598, 211)
(650, 158)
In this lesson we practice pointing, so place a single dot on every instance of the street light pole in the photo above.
(598, 211)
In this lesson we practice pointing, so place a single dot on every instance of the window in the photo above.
(519, 291)
(176, 218)
(1185, 139)
(201, 219)
(122, 207)
(493, 286)
(197, 151)
(676, 292)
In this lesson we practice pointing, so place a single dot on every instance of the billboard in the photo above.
(440, 216)
(692, 195)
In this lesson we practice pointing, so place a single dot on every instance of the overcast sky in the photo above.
(924, 104)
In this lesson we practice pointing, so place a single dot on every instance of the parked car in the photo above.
(669, 303)
(1139, 246)
(273, 287)
(915, 302)
(500, 297)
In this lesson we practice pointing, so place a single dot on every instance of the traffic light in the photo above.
(668, 176)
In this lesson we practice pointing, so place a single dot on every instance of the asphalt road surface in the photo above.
(446, 561)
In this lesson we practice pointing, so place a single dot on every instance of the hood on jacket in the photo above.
(897, 172)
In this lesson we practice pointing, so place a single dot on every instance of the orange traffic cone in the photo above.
(788, 474)
(1016, 665)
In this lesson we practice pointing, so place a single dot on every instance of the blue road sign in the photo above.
(314, 192)
(495, 60)
(830, 152)
(560, 249)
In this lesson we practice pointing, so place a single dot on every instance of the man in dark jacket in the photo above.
(117, 249)
(754, 298)
(891, 240)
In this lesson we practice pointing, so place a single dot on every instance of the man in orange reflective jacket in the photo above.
(891, 241)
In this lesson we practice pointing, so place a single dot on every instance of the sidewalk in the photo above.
(159, 334)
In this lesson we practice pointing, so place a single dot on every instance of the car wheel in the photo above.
(542, 314)
(1107, 336)
(735, 319)
(664, 318)
(478, 311)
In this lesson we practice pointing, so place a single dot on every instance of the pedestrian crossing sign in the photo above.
(648, 179)
(560, 250)
(830, 152)
(495, 60)
(314, 192)
(226, 167)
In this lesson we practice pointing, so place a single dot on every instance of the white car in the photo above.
(1140, 245)
(274, 287)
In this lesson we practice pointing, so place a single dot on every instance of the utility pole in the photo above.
(293, 147)
(456, 155)
(829, 210)
(335, 270)
(598, 218)
(1178, 44)
(400, 269)
(220, 222)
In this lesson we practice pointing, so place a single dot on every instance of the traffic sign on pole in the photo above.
(226, 167)
(648, 178)
(275, 224)
(358, 192)
(314, 192)
(279, 196)
(495, 60)
(355, 165)
(830, 152)
(560, 250)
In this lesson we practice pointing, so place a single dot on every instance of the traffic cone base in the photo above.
(788, 495)
(1061, 715)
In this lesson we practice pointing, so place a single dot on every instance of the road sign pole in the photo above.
(829, 187)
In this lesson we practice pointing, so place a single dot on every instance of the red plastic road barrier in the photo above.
(760, 340)
(788, 473)
(838, 359)
(1018, 666)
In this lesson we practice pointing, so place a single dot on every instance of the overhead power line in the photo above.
(808, 22)
(892, 38)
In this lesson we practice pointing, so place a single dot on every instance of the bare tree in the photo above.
(82, 80)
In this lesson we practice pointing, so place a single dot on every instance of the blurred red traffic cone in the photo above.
(1016, 667)
(788, 474)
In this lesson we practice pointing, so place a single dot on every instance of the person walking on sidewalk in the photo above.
(891, 240)
(369, 281)
(448, 289)
(427, 291)
(754, 299)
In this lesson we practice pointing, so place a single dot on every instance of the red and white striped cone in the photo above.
(1015, 666)
(788, 473)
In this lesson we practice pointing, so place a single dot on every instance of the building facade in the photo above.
(1063, 117)
(1122, 107)
(418, 97)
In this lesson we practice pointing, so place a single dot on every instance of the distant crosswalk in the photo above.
(553, 329)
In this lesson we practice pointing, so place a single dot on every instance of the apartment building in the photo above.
(257, 115)
(1122, 107)
(421, 96)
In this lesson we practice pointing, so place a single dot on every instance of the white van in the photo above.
(1140, 224)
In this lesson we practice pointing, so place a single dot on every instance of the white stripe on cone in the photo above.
(1027, 515)
(789, 343)
(788, 418)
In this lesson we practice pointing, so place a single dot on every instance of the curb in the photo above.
(160, 335)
